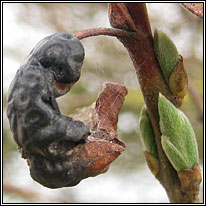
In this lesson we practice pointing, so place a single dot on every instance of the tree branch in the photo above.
(151, 82)
(103, 31)
(32, 195)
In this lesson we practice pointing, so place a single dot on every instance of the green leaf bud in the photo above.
(148, 141)
(178, 137)
(171, 63)
(166, 53)
(147, 134)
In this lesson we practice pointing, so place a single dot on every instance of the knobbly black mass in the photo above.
(38, 127)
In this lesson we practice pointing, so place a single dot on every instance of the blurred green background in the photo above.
(128, 179)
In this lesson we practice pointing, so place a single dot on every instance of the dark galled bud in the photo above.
(50, 70)
(63, 55)
(36, 122)
(61, 151)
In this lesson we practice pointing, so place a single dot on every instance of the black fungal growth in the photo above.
(50, 70)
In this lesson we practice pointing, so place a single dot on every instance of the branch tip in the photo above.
(103, 31)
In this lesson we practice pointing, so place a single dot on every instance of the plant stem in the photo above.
(103, 31)
(151, 82)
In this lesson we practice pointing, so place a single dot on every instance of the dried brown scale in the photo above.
(190, 180)
(111, 108)
(178, 80)
(102, 147)
(120, 18)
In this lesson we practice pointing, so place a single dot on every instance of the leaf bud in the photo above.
(171, 63)
(178, 138)
(148, 141)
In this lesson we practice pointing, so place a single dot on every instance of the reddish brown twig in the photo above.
(195, 8)
(31, 195)
(103, 31)
(127, 16)
(22, 192)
